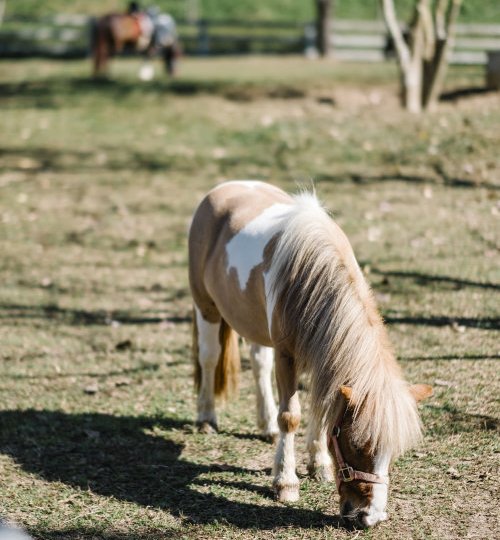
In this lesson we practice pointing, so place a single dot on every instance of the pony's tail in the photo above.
(227, 371)
(228, 365)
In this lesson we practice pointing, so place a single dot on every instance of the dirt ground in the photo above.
(98, 181)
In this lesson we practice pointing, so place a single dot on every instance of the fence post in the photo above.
(91, 29)
(323, 26)
(203, 41)
(493, 70)
(310, 34)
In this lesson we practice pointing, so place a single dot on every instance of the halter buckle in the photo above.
(346, 474)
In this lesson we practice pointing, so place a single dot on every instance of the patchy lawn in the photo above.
(98, 182)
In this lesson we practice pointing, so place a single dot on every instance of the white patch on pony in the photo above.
(245, 250)
(262, 359)
(147, 72)
(209, 350)
(376, 511)
(271, 298)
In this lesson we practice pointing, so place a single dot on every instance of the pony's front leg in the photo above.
(262, 359)
(206, 338)
(320, 462)
(286, 482)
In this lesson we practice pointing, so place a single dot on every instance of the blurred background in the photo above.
(59, 28)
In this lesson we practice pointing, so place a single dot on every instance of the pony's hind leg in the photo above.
(320, 462)
(206, 351)
(217, 365)
(262, 359)
(286, 482)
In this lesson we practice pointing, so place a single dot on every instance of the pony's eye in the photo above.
(358, 448)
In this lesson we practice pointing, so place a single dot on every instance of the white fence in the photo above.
(69, 36)
(368, 41)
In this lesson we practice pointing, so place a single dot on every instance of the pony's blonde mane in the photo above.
(339, 337)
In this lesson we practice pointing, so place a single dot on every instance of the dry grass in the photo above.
(98, 182)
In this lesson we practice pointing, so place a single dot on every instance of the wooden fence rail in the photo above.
(367, 40)
(69, 36)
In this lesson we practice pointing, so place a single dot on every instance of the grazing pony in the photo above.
(147, 32)
(278, 271)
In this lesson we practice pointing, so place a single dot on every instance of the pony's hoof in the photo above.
(207, 427)
(322, 473)
(287, 494)
(271, 438)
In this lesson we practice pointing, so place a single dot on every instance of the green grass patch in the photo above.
(98, 181)
(272, 10)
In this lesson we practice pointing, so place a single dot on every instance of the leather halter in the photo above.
(346, 473)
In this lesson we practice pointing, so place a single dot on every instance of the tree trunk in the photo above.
(435, 68)
(423, 61)
(323, 17)
(413, 72)
(412, 88)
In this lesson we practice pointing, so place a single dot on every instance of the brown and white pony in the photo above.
(278, 271)
(112, 33)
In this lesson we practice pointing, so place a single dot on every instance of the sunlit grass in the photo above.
(98, 182)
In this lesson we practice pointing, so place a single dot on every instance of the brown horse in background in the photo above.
(140, 31)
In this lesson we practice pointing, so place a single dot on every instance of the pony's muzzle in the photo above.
(352, 516)
(360, 519)
(356, 520)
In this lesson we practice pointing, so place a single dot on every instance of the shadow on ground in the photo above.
(457, 356)
(45, 158)
(47, 93)
(483, 323)
(441, 179)
(78, 317)
(93, 534)
(82, 317)
(448, 282)
(453, 420)
(131, 459)
(471, 91)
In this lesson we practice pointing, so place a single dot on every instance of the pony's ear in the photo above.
(346, 391)
(421, 391)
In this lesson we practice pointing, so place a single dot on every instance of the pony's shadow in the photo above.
(132, 459)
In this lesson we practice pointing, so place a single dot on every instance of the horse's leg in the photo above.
(286, 482)
(262, 366)
(98, 52)
(320, 462)
(104, 59)
(169, 59)
(94, 44)
(101, 55)
(208, 350)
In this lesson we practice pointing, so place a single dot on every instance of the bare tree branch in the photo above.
(452, 16)
(391, 21)
(441, 9)
(436, 69)
(425, 17)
